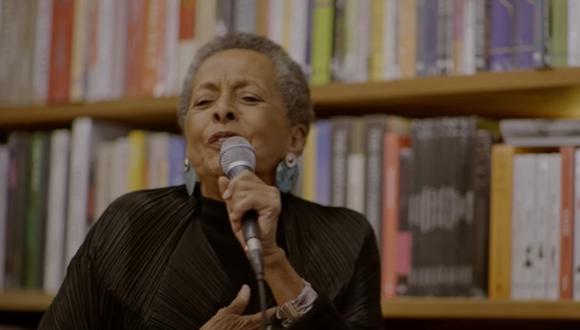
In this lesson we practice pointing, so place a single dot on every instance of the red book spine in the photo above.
(61, 51)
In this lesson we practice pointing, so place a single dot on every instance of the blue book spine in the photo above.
(176, 158)
(323, 161)
(524, 36)
(502, 26)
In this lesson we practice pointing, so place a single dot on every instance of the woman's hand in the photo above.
(230, 317)
(248, 192)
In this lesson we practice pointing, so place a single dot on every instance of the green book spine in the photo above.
(559, 29)
(36, 211)
(321, 47)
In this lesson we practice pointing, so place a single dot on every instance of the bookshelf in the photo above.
(542, 93)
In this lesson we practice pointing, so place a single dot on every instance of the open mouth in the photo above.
(219, 137)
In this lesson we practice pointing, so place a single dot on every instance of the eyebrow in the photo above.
(237, 84)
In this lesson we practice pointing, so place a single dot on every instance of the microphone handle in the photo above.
(251, 231)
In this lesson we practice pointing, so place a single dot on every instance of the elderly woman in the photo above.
(174, 258)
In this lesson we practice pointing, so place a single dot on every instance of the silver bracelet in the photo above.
(294, 309)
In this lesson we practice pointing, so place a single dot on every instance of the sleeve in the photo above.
(360, 301)
(81, 302)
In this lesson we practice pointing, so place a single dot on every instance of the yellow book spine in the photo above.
(137, 159)
(501, 221)
(377, 47)
(309, 175)
(321, 41)
(407, 37)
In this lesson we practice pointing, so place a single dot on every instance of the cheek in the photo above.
(270, 142)
(203, 159)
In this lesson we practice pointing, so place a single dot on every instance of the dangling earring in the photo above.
(287, 173)
(190, 176)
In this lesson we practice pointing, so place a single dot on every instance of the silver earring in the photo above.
(287, 173)
(190, 176)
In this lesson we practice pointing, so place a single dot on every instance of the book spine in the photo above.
(540, 241)
(176, 155)
(363, 41)
(54, 267)
(374, 131)
(376, 64)
(323, 162)
(310, 161)
(567, 222)
(576, 235)
(468, 49)
(41, 64)
(340, 150)
(404, 237)
(355, 189)
(137, 159)
(458, 39)
(61, 49)
(80, 47)
(524, 34)
(4, 199)
(120, 165)
(276, 21)
(153, 47)
(391, 40)
(187, 32)
(168, 68)
(262, 18)
(501, 43)
(407, 32)
(34, 227)
(342, 45)
(559, 32)
(299, 31)
(553, 235)
(118, 59)
(206, 21)
(321, 46)
(136, 40)
(482, 35)
(502, 173)
(573, 33)
(431, 36)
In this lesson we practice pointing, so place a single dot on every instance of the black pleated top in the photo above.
(152, 262)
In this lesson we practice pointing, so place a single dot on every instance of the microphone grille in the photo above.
(237, 151)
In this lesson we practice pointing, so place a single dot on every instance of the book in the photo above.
(407, 30)
(525, 25)
(355, 187)
(42, 51)
(310, 160)
(323, 162)
(4, 171)
(86, 135)
(61, 51)
(54, 267)
(321, 42)
(245, 16)
(84, 12)
(35, 226)
(404, 237)
(576, 235)
(341, 132)
(558, 33)
(567, 222)
(573, 33)
(137, 159)
(501, 46)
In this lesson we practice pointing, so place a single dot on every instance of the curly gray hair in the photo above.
(289, 76)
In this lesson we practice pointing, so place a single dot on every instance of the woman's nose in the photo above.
(224, 112)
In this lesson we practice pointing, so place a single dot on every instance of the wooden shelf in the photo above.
(24, 301)
(544, 93)
(462, 308)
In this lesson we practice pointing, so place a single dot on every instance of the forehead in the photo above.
(236, 63)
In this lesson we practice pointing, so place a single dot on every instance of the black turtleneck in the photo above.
(217, 228)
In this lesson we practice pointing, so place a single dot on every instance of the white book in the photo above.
(539, 228)
(4, 168)
(553, 230)
(522, 219)
(119, 48)
(41, 65)
(576, 226)
(298, 31)
(54, 266)
(171, 62)
(276, 21)
(206, 21)
(86, 135)
(80, 45)
(355, 197)
(573, 33)
(158, 160)
(468, 48)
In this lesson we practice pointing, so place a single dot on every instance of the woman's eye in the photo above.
(251, 99)
(202, 102)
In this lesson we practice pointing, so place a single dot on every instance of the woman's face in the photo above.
(235, 94)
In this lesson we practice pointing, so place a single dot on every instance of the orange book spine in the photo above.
(135, 55)
(61, 51)
(393, 143)
(187, 19)
(567, 216)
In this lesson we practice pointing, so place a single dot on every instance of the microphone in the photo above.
(237, 155)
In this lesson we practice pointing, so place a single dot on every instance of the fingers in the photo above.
(257, 318)
(238, 305)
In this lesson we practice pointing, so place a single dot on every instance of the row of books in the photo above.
(54, 185)
(60, 51)
(426, 185)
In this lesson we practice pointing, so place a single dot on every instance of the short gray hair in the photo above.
(289, 76)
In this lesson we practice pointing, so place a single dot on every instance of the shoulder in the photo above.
(138, 231)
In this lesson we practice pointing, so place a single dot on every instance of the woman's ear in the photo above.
(297, 139)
